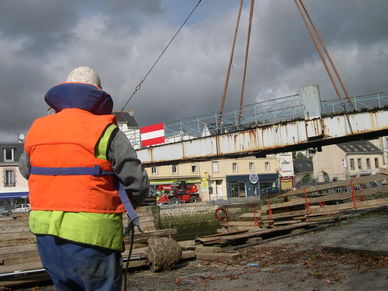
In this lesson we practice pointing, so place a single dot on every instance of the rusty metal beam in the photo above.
(281, 137)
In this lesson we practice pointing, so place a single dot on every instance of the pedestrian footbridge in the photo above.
(287, 124)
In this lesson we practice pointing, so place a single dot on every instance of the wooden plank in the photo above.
(332, 208)
(16, 242)
(17, 235)
(137, 264)
(25, 254)
(13, 222)
(23, 260)
(224, 238)
(186, 255)
(17, 249)
(239, 223)
(283, 222)
(326, 208)
(227, 233)
(329, 197)
(21, 267)
(279, 215)
(248, 228)
(350, 205)
(13, 229)
(360, 180)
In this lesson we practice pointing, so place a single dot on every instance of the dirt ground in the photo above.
(350, 256)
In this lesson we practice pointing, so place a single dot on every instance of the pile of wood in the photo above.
(18, 250)
(306, 206)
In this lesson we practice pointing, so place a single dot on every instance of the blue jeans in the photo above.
(73, 266)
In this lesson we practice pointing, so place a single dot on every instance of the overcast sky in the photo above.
(41, 41)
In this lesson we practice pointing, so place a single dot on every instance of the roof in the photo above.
(126, 117)
(359, 147)
(303, 166)
(18, 146)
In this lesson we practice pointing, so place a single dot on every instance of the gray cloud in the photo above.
(42, 42)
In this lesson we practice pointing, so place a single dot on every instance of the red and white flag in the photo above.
(152, 134)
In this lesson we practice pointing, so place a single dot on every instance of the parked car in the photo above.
(270, 190)
(20, 208)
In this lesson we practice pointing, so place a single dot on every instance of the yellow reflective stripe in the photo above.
(98, 229)
(102, 147)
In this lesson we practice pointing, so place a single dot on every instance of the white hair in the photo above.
(84, 75)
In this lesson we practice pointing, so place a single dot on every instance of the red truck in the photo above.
(178, 193)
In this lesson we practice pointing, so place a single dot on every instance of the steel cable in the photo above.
(137, 88)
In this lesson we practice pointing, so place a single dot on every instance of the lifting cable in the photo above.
(221, 110)
(328, 55)
(137, 88)
(308, 21)
(245, 62)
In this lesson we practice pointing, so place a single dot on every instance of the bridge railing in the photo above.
(262, 113)
(361, 103)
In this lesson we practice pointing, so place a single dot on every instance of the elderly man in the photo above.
(74, 161)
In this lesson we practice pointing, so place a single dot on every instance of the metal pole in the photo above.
(198, 130)
(181, 130)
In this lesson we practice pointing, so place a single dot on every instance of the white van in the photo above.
(20, 208)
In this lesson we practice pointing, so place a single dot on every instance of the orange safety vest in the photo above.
(65, 140)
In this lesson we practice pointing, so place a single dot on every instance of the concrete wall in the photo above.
(189, 219)
(329, 160)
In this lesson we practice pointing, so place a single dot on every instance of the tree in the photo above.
(301, 156)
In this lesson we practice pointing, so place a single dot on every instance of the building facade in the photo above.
(382, 144)
(13, 187)
(222, 179)
(346, 160)
(128, 125)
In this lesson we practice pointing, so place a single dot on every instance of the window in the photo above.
(351, 162)
(9, 154)
(368, 163)
(267, 166)
(251, 166)
(215, 167)
(174, 169)
(234, 167)
(154, 170)
(377, 163)
(194, 168)
(237, 189)
(359, 164)
(9, 178)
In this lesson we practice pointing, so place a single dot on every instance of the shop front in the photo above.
(239, 186)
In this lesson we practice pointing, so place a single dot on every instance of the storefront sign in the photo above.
(253, 178)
